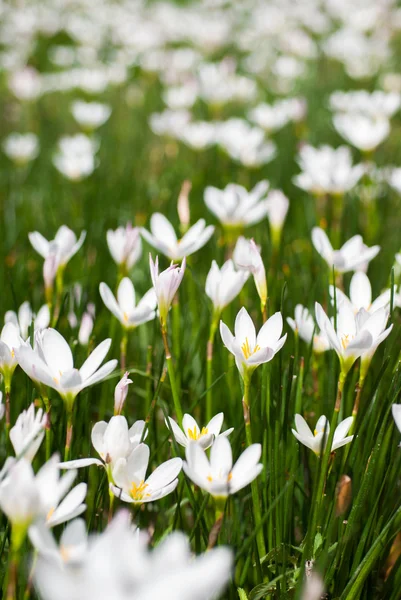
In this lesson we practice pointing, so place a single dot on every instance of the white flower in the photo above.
(125, 245)
(192, 433)
(223, 285)
(26, 84)
(64, 246)
(314, 440)
(90, 115)
(235, 206)
(373, 104)
(118, 564)
(199, 134)
(25, 317)
(352, 256)
(21, 147)
(73, 546)
(327, 170)
(75, 158)
(305, 327)
(363, 132)
(85, 328)
(270, 117)
(165, 285)
(250, 350)
(360, 295)
(10, 341)
(131, 484)
(247, 257)
(121, 393)
(218, 476)
(28, 432)
(124, 308)
(244, 143)
(277, 209)
(169, 122)
(51, 363)
(357, 335)
(163, 237)
(112, 441)
(25, 497)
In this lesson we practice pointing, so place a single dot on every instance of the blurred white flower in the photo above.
(217, 475)
(198, 135)
(234, 206)
(314, 440)
(352, 256)
(28, 432)
(25, 317)
(270, 117)
(277, 209)
(131, 484)
(327, 170)
(26, 84)
(64, 246)
(223, 285)
(10, 341)
(250, 350)
(374, 104)
(75, 157)
(247, 258)
(124, 307)
(169, 122)
(85, 328)
(72, 549)
(165, 285)
(51, 363)
(304, 326)
(363, 132)
(125, 245)
(90, 115)
(163, 237)
(360, 295)
(21, 147)
(192, 433)
(244, 143)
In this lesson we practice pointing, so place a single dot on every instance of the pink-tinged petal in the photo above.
(363, 341)
(95, 359)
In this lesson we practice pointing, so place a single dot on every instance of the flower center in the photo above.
(137, 492)
(194, 434)
(49, 514)
(246, 349)
(345, 341)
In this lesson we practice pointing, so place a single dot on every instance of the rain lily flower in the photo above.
(51, 363)
(218, 476)
(64, 246)
(25, 317)
(121, 393)
(163, 237)
(75, 157)
(119, 559)
(360, 295)
(327, 170)
(10, 340)
(165, 285)
(362, 131)
(247, 257)
(304, 326)
(357, 335)
(85, 328)
(270, 117)
(277, 209)
(223, 285)
(125, 246)
(25, 497)
(235, 207)
(352, 256)
(250, 350)
(124, 308)
(21, 148)
(192, 433)
(131, 484)
(314, 440)
(374, 104)
(73, 546)
(28, 432)
(112, 441)
(90, 115)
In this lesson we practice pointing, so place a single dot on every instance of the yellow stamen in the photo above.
(345, 341)
(209, 478)
(12, 353)
(64, 553)
(246, 349)
(137, 492)
(125, 315)
(50, 514)
(194, 435)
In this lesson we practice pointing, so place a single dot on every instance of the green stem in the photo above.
(209, 366)
(172, 377)
(123, 351)
(68, 437)
(257, 514)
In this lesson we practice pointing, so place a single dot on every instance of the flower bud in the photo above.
(120, 393)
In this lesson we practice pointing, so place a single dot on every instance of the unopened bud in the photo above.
(343, 495)
(183, 205)
(120, 393)
(85, 329)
